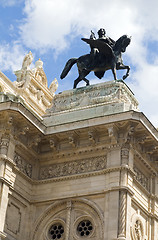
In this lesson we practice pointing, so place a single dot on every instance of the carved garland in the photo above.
(74, 167)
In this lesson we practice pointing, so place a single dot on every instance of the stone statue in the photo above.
(138, 230)
(22, 73)
(105, 54)
(27, 61)
(53, 86)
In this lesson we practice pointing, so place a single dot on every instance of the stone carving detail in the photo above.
(4, 143)
(74, 167)
(32, 85)
(138, 230)
(141, 178)
(54, 144)
(112, 134)
(34, 141)
(73, 139)
(92, 135)
(124, 155)
(89, 97)
(23, 165)
(13, 218)
(122, 214)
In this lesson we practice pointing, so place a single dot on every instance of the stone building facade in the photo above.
(81, 164)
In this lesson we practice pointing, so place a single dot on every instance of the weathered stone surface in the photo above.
(86, 170)
(90, 102)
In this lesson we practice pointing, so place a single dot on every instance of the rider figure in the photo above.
(102, 37)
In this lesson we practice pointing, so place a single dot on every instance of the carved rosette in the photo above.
(74, 167)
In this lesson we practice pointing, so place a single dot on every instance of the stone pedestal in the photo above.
(90, 102)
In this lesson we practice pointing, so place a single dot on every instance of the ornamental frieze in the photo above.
(23, 165)
(74, 167)
(141, 178)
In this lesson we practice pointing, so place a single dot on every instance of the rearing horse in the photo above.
(103, 59)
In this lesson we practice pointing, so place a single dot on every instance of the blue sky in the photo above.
(52, 31)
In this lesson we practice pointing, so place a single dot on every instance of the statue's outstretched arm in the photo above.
(103, 47)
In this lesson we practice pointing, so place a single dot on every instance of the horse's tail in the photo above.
(67, 67)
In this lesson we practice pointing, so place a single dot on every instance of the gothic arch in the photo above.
(64, 212)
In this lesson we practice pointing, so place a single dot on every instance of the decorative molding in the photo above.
(23, 165)
(2, 235)
(74, 167)
(13, 218)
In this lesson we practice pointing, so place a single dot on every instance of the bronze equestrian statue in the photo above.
(105, 54)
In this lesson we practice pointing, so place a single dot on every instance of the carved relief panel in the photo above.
(73, 167)
(137, 229)
(139, 224)
(24, 166)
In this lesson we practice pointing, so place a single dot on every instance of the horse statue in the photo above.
(106, 57)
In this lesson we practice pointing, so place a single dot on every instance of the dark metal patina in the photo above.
(105, 54)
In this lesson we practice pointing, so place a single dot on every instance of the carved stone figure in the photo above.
(105, 54)
(53, 86)
(27, 60)
(22, 74)
(138, 230)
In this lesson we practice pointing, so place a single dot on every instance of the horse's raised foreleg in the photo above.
(122, 66)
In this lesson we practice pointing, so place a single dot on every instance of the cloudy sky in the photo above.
(52, 30)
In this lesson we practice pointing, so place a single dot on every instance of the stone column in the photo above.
(68, 220)
(6, 152)
(122, 215)
(123, 192)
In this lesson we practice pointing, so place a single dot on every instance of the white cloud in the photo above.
(11, 56)
(53, 25)
(9, 3)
